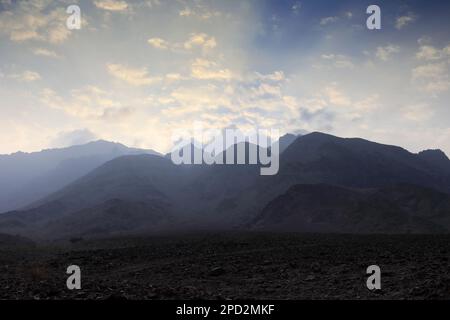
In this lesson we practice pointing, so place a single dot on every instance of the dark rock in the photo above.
(218, 271)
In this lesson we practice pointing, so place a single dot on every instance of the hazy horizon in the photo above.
(163, 152)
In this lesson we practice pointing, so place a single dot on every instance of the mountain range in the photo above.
(27, 177)
(325, 184)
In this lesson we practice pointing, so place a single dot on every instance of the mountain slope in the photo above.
(354, 162)
(28, 177)
(285, 141)
(326, 208)
(436, 159)
(231, 196)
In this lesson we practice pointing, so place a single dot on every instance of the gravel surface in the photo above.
(231, 266)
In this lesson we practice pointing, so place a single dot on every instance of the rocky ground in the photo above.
(230, 266)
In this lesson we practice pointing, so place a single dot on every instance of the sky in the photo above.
(138, 70)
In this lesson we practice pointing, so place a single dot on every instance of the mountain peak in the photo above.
(436, 158)
(434, 153)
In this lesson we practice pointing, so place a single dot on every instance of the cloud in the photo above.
(46, 53)
(201, 40)
(244, 100)
(332, 96)
(296, 7)
(338, 61)
(336, 97)
(199, 11)
(158, 43)
(432, 70)
(418, 112)
(117, 114)
(173, 77)
(208, 70)
(186, 12)
(89, 102)
(111, 5)
(328, 20)
(135, 77)
(432, 78)
(195, 40)
(265, 89)
(27, 76)
(275, 76)
(72, 138)
(405, 20)
(34, 20)
(384, 53)
(369, 103)
(428, 52)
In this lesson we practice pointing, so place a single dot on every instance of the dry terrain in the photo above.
(230, 266)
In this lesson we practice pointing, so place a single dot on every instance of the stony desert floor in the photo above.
(231, 266)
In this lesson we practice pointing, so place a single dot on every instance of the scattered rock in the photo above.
(310, 277)
(218, 271)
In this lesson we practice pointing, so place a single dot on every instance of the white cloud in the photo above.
(34, 21)
(369, 103)
(195, 40)
(405, 20)
(384, 53)
(111, 5)
(27, 76)
(349, 106)
(265, 89)
(133, 76)
(338, 60)
(171, 77)
(209, 70)
(74, 137)
(201, 40)
(199, 12)
(428, 52)
(275, 76)
(432, 78)
(328, 20)
(418, 112)
(87, 103)
(296, 7)
(432, 70)
(186, 12)
(336, 97)
(46, 53)
(158, 43)
(424, 40)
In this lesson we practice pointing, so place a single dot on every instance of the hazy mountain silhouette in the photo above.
(27, 177)
(326, 208)
(437, 160)
(354, 162)
(286, 140)
(236, 196)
